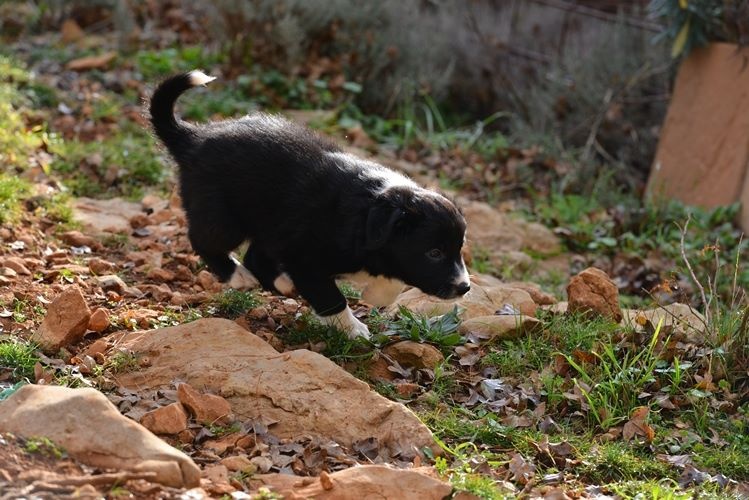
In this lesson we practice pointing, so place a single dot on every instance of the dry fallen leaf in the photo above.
(522, 470)
(636, 426)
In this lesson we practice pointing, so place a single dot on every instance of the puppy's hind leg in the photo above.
(328, 302)
(268, 271)
(214, 246)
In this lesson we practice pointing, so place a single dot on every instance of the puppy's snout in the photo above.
(462, 288)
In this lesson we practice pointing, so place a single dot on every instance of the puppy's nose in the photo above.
(462, 288)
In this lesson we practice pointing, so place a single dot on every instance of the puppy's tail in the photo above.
(177, 135)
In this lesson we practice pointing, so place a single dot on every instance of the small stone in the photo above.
(413, 354)
(592, 292)
(216, 473)
(245, 442)
(66, 321)
(406, 389)
(99, 320)
(111, 282)
(222, 444)
(262, 463)
(169, 419)
(70, 32)
(8, 272)
(78, 239)
(207, 408)
(139, 221)
(186, 436)
(207, 280)
(238, 463)
(100, 346)
(162, 216)
(17, 264)
(325, 481)
(178, 299)
(183, 273)
(159, 274)
(100, 266)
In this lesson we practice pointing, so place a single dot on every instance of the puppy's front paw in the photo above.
(284, 285)
(242, 279)
(346, 321)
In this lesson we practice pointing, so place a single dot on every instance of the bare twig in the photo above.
(597, 124)
(682, 248)
(734, 290)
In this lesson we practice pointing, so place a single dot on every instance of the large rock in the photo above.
(301, 390)
(704, 134)
(366, 482)
(106, 216)
(90, 429)
(503, 239)
(66, 321)
(592, 292)
(481, 300)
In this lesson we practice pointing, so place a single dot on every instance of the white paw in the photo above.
(284, 284)
(347, 322)
(381, 292)
(242, 279)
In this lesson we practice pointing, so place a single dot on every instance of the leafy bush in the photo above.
(692, 23)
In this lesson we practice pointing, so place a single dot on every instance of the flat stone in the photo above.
(500, 327)
(304, 392)
(105, 216)
(358, 483)
(481, 300)
(91, 429)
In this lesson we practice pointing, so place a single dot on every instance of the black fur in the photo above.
(307, 212)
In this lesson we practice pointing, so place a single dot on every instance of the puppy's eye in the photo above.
(435, 254)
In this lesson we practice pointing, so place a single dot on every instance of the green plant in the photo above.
(692, 23)
(462, 477)
(616, 461)
(440, 330)
(12, 191)
(121, 362)
(338, 345)
(612, 390)
(19, 357)
(223, 430)
(232, 303)
(43, 446)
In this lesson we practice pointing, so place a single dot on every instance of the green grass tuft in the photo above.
(233, 303)
(19, 357)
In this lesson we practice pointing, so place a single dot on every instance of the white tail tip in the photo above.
(197, 77)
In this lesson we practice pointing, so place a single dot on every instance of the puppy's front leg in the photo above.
(328, 302)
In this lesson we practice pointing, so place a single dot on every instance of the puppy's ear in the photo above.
(381, 220)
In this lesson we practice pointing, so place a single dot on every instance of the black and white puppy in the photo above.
(311, 212)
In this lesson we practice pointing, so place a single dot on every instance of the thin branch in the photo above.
(689, 267)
